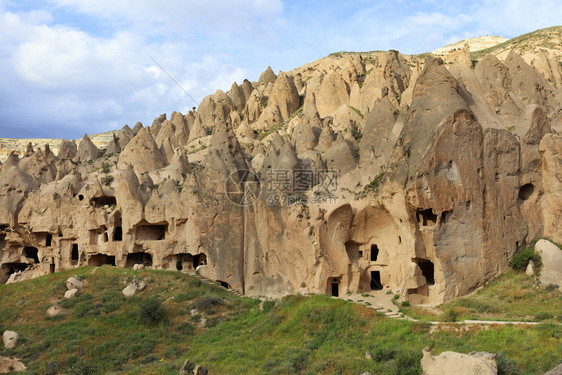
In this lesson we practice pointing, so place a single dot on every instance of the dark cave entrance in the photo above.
(374, 253)
(48, 240)
(74, 255)
(151, 232)
(376, 280)
(428, 270)
(139, 258)
(31, 253)
(426, 218)
(98, 260)
(199, 260)
(103, 201)
(118, 228)
(8, 269)
(224, 284)
(526, 191)
(335, 288)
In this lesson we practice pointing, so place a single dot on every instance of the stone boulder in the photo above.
(54, 311)
(555, 371)
(74, 283)
(475, 363)
(10, 339)
(552, 262)
(135, 287)
(70, 293)
(11, 364)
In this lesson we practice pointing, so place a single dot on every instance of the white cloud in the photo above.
(60, 76)
(186, 18)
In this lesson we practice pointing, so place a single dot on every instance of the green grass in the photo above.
(513, 296)
(103, 331)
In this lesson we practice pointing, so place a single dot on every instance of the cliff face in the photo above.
(351, 173)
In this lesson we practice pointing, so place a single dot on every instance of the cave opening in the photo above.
(199, 260)
(426, 217)
(142, 257)
(48, 240)
(335, 288)
(74, 255)
(98, 260)
(224, 284)
(31, 253)
(102, 201)
(374, 252)
(151, 232)
(8, 269)
(118, 229)
(428, 270)
(376, 280)
(526, 191)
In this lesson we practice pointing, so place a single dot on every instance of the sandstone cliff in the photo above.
(358, 171)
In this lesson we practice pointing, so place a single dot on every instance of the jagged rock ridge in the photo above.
(351, 173)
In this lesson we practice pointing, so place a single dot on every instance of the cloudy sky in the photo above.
(70, 67)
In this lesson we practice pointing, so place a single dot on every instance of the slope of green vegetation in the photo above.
(513, 296)
(178, 317)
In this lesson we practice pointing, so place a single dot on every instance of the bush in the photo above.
(544, 315)
(107, 180)
(522, 258)
(80, 367)
(151, 310)
(451, 315)
(407, 363)
(185, 329)
(207, 303)
(506, 366)
(105, 168)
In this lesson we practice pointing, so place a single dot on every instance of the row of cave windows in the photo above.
(375, 283)
(132, 258)
(425, 265)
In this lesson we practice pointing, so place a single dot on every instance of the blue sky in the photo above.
(71, 67)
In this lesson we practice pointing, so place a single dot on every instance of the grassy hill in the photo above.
(178, 317)
(549, 38)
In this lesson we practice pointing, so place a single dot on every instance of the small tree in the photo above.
(151, 310)
(522, 258)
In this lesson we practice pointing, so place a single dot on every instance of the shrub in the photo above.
(151, 310)
(407, 363)
(544, 315)
(80, 367)
(207, 303)
(107, 180)
(185, 328)
(522, 258)
(506, 366)
(451, 315)
(105, 168)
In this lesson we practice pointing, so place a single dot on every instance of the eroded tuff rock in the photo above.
(351, 173)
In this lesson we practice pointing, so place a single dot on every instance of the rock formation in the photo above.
(359, 171)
